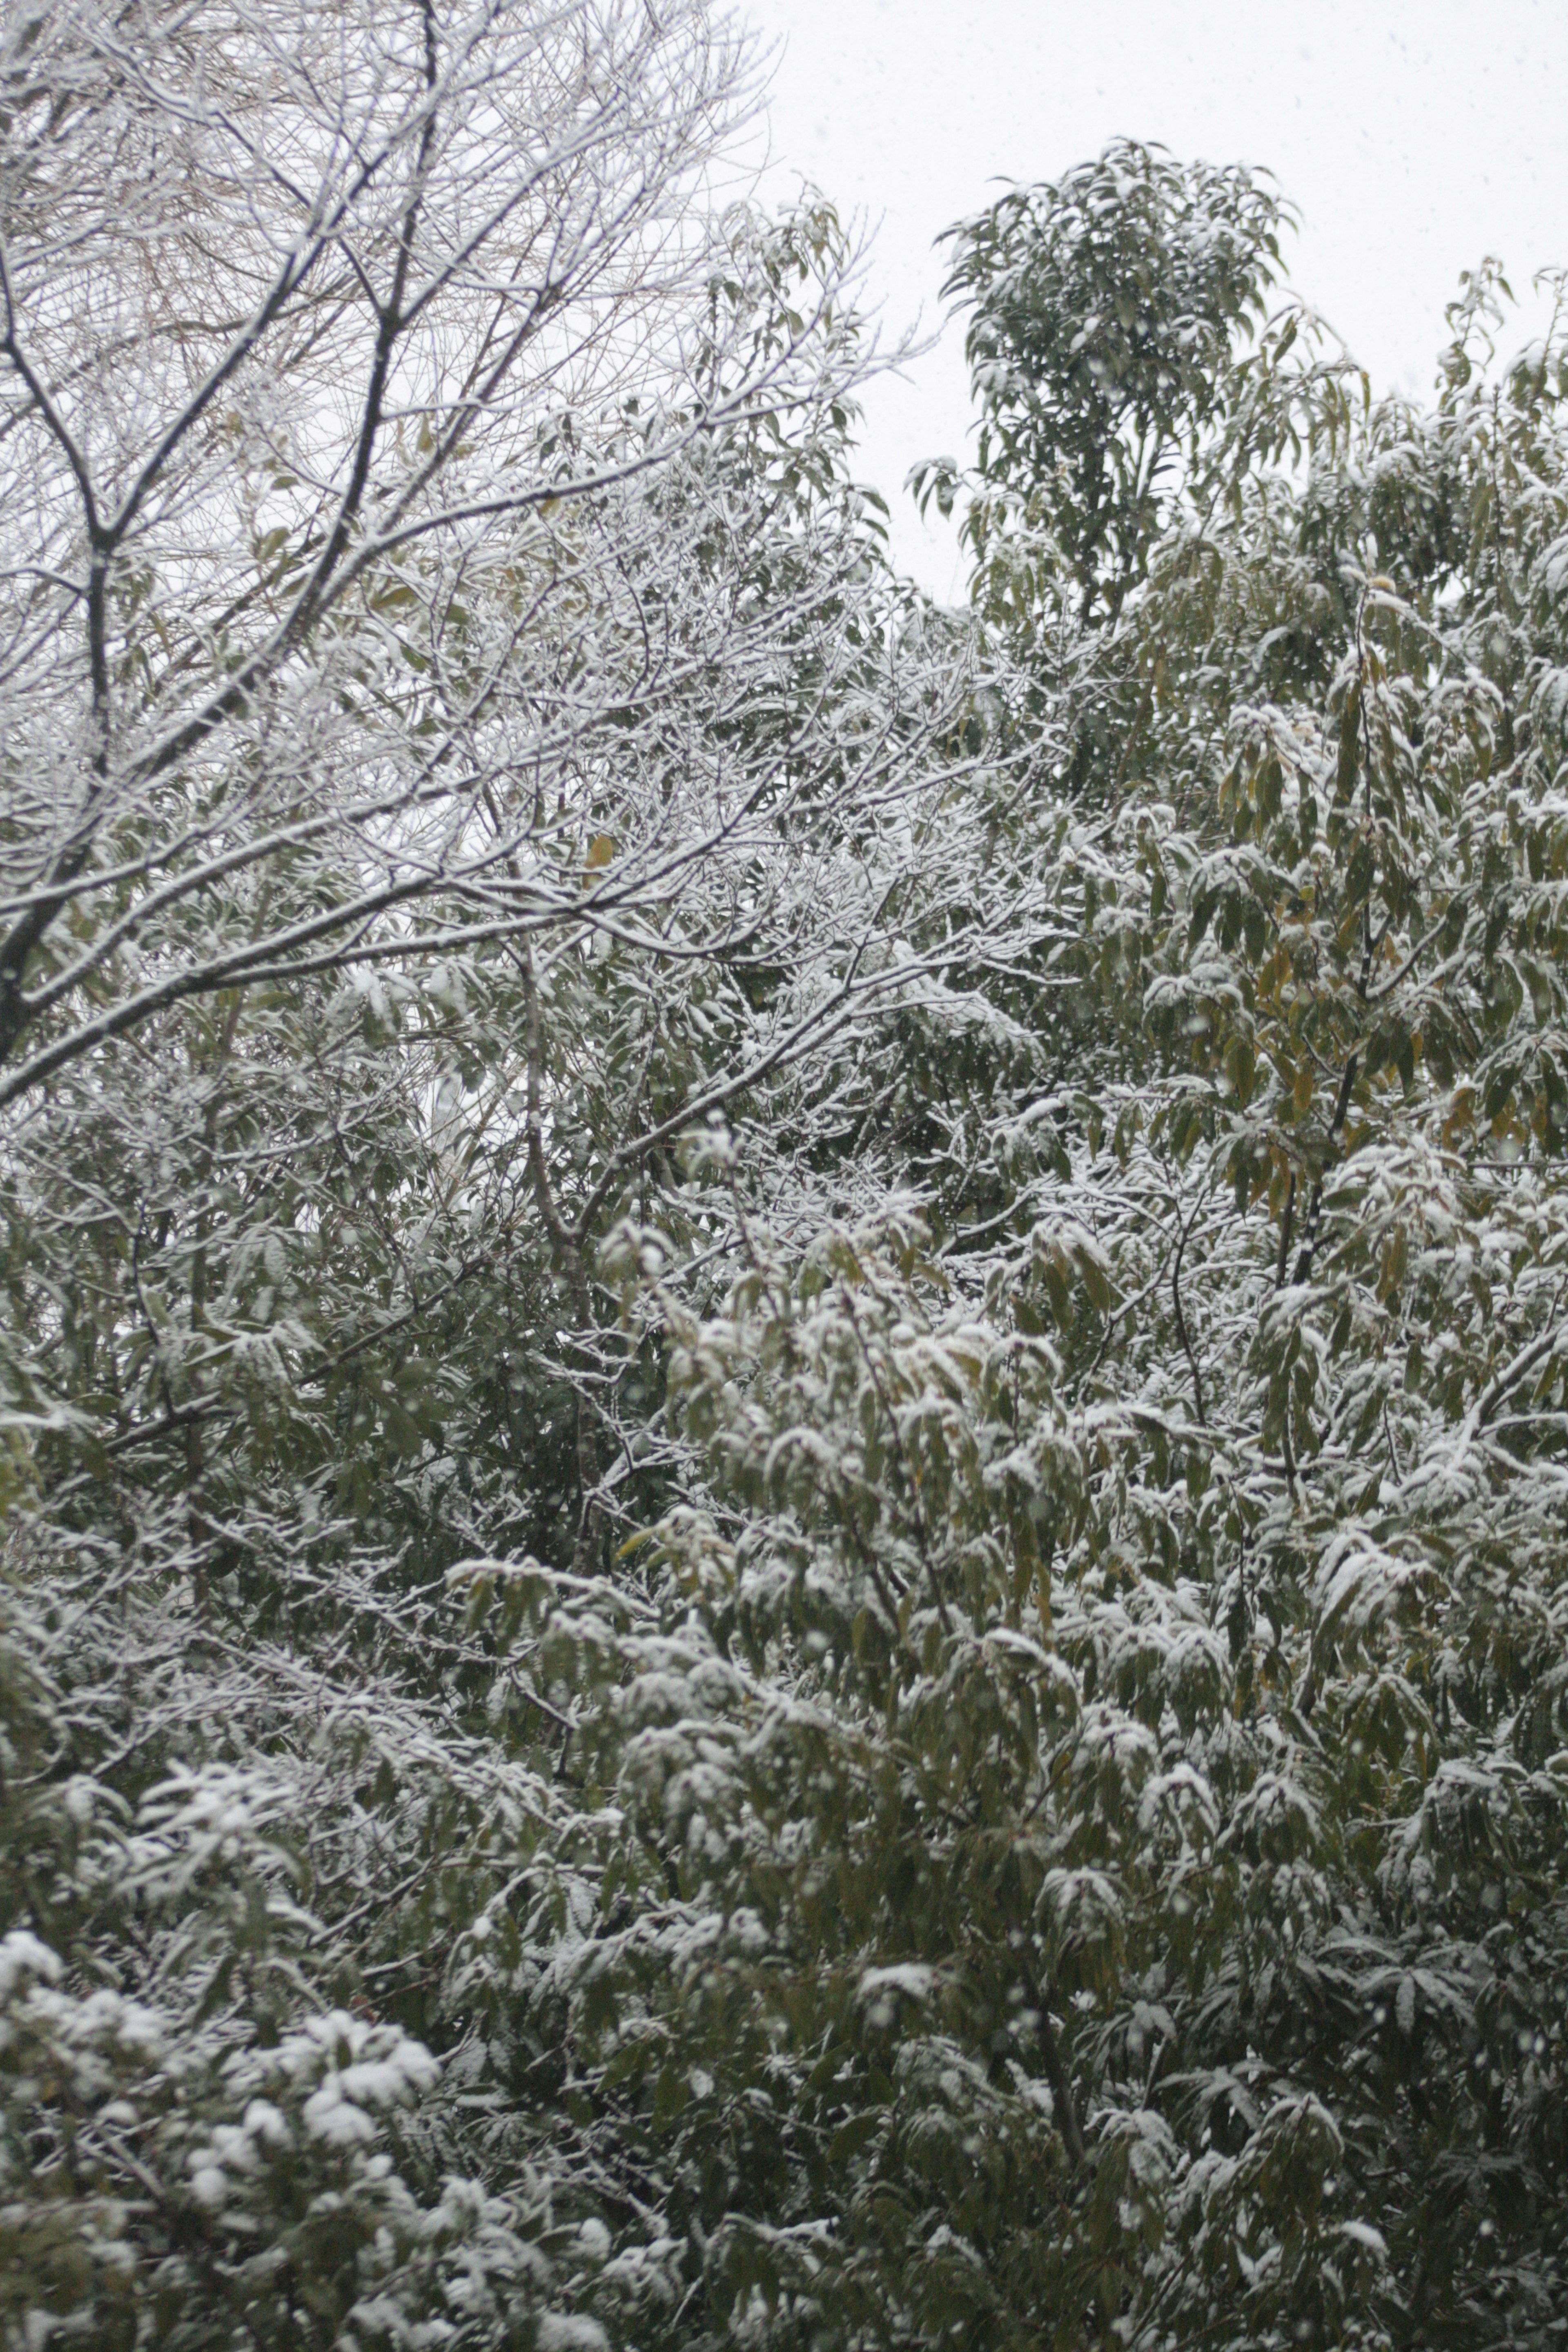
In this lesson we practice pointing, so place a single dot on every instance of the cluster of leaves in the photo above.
(786, 1407)
(460, 733)
(1092, 1786)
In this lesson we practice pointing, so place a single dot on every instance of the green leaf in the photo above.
(856, 2133)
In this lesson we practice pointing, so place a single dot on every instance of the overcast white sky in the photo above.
(1413, 136)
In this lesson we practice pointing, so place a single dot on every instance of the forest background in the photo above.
(784, 1392)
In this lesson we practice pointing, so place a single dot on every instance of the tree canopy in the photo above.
(785, 1399)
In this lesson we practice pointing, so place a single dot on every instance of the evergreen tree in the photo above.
(785, 1389)
(1095, 1780)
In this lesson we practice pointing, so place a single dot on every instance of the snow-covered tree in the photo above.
(460, 736)
(1091, 1784)
(784, 1383)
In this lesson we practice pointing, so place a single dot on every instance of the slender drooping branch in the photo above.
(1182, 1326)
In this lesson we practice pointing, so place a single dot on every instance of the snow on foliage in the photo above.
(786, 1410)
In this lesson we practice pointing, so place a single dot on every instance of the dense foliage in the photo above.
(785, 1399)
